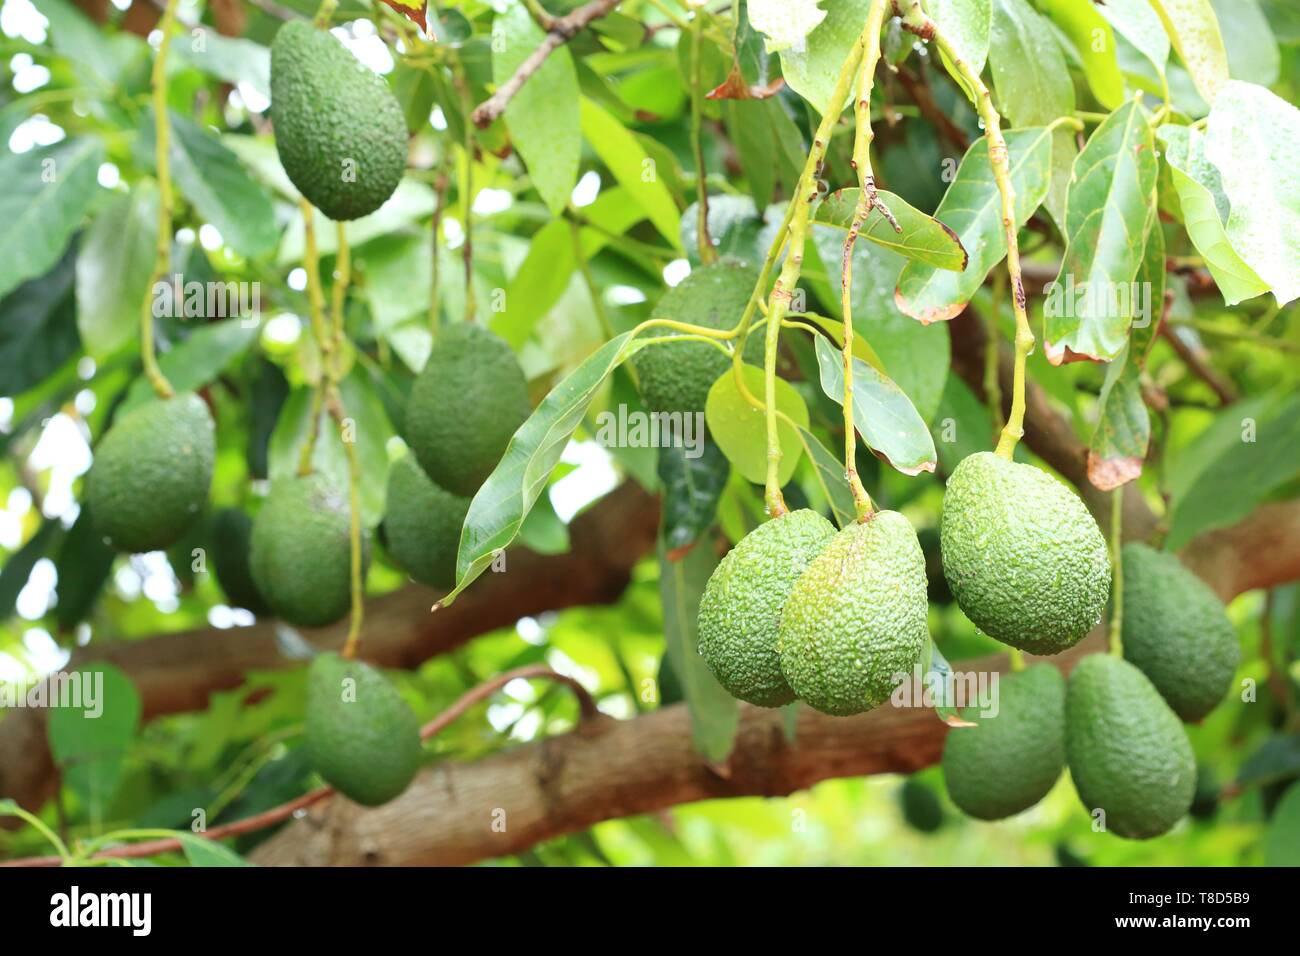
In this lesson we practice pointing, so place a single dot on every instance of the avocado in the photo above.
(467, 403)
(1176, 631)
(740, 611)
(921, 808)
(677, 376)
(1007, 762)
(151, 474)
(362, 737)
(339, 130)
(1024, 558)
(1205, 802)
(232, 535)
(1127, 751)
(855, 622)
(301, 553)
(422, 526)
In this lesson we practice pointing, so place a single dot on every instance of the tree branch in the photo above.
(562, 30)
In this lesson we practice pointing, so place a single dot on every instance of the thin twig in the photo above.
(563, 29)
(1198, 366)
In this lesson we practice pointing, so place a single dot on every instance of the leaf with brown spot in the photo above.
(734, 87)
(415, 14)
(1119, 442)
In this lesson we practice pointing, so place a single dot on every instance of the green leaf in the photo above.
(692, 486)
(1140, 25)
(43, 195)
(811, 71)
(715, 714)
(18, 569)
(1247, 128)
(828, 469)
(231, 59)
(1252, 456)
(1282, 841)
(198, 360)
(201, 851)
(543, 531)
(967, 24)
(1119, 442)
(1151, 282)
(1204, 205)
(962, 425)
(1029, 72)
(938, 673)
(740, 429)
(972, 207)
(38, 327)
(1112, 206)
(500, 506)
(923, 238)
(101, 56)
(411, 202)
(82, 567)
(1194, 30)
(543, 117)
(1094, 42)
(1252, 50)
(627, 160)
(884, 416)
(210, 176)
(114, 267)
(89, 740)
(785, 23)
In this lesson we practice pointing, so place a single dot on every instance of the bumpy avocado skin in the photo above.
(339, 130)
(677, 376)
(232, 538)
(361, 735)
(1023, 556)
(1008, 762)
(1176, 631)
(467, 402)
(423, 523)
(302, 553)
(1127, 751)
(151, 474)
(740, 612)
(856, 619)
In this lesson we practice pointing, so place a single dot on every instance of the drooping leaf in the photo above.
(1252, 49)
(1194, 31)
(715, 714)
(508, 494)
(785, 23)
(232, 59)
(38, 327)
(198, 360)
(18, 568)
(629, 163)
(1250, 138)
(113, 269)
(1119, 441)
(885, 417)
(1140, 25)
(828, 469)
(82, 566)
(1094, 42)
(43, 195)
(1112, 206)
(962, 425)
(923, 238)
(811, 71)
(89, 739)
(967, 25)
(740, 429)
(543, 116)
(1148, 312)
(1029, 73)
(692, 485)
(101, 57)
(1204, 206)
(972, 208)
(204, 852)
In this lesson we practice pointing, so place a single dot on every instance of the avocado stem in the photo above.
(1017, 658)
(704, 241)
(163, 247)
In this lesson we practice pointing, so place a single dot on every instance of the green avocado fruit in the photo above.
(1009, 761)
(855, 622)
(740, 612)
(1176, 631)
(232, 538)
(467, 403)
(1023, 556)
(422, 525)
(151, 474)
(1127, 751)
(301, 553)
(361, 736)
(677, 376)
(921, 808)
(339, 130)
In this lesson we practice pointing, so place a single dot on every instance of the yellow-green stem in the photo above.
(705, 243)
(342, 279)
(319, 330)
(325, 13)
(992, 380)
(163, 248)
(337, 411)
(1116, 572)
(466, 188)
(1017, 659)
